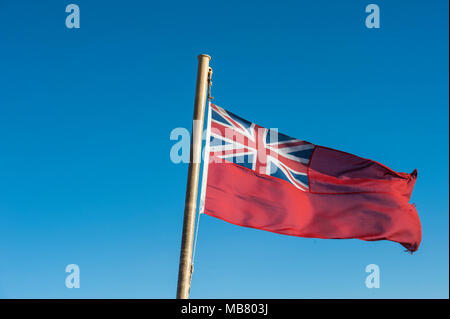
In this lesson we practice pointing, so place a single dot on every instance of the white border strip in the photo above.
(205, 162)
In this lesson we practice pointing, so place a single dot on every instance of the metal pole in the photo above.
(184, 274)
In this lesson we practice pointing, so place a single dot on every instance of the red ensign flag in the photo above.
(256, 177)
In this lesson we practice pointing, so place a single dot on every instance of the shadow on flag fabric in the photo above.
(259, 178)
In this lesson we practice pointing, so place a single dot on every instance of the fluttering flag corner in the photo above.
(259, 178)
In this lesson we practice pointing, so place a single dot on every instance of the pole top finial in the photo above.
(201, 56)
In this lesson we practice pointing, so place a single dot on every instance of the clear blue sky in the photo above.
(86, 115)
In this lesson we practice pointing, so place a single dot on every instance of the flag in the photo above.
(259, 178)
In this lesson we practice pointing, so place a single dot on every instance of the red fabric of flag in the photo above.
(338, 195)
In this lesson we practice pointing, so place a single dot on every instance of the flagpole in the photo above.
(185, 268)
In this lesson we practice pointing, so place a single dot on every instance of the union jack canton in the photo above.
(265, 151)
